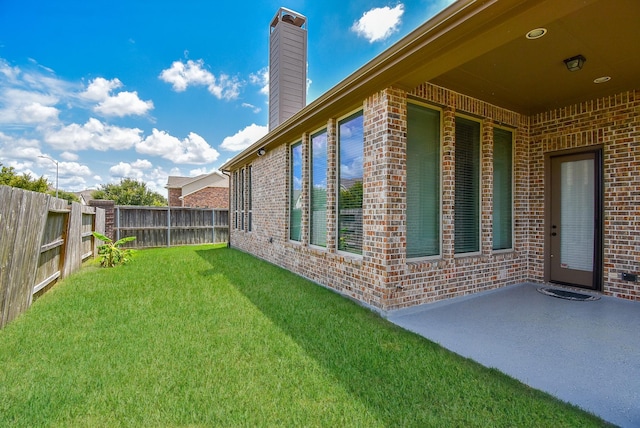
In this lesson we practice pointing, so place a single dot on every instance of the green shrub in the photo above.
(110, 253)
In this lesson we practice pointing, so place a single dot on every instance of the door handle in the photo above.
(553, 234)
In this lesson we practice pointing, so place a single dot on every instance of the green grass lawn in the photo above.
(204, 336)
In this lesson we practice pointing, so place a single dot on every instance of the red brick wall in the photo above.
(382, 277)
(209, 197)
(174, 197)
(612, 123)
(109, 215)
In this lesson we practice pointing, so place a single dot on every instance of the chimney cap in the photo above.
(289, 16)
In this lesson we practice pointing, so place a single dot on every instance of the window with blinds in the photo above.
(502, 189)
(295, 197)
(235, 199)
(423, 181)
(351, 153)
(249, 200)
(241, 198)
(467, 187)
(318, 197)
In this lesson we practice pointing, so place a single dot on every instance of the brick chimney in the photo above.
(287, 66)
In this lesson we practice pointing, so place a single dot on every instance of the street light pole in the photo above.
(56, 162)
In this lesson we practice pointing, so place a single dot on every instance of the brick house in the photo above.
(497, 143)
(204, 191)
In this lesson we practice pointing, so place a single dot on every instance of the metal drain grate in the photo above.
(566, 294)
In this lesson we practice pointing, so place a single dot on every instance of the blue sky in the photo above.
(148, 89)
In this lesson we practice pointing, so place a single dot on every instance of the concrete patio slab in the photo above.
(584, 352)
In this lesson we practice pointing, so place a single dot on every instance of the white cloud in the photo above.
(157, 179)
(37, 113)
(379, 23)
(122, 104)
(181, 75)
(92, 135)
(9, 142)
(72, 169)
(244, 138)
(126, 170)
(192, 73)
(200, 171)
(141, 170)
(23, 107)
(19, 152)
(10, 73)
(261, 78)
(252, 107)
(191, 150)
(31, 97)
(74, 183)
(100, 89)
(68, 156)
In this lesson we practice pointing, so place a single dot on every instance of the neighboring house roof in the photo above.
(191, 185)
(85, 196)
(176, 182)
(479, 48)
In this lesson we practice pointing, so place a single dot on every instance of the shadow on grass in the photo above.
(402, 378)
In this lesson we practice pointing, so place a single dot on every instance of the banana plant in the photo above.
(110, 253)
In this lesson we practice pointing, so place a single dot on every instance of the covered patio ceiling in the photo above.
(490, 58)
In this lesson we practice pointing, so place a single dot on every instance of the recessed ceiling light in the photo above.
(536, 33)
(602, 79)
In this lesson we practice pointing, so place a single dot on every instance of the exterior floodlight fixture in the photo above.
(56, 162)
(575, 63)
(261, 151)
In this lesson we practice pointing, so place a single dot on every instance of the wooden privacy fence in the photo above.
(170, 226)
(42, 239)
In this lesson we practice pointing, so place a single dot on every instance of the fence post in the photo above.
(99, 225)
(72, 249)
(168, 226)
(117, 223)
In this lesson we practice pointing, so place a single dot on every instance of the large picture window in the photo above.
(467, 187)
(351, 153)
(318, 202)
(502, 189)
(423, 181)
(295, 197)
